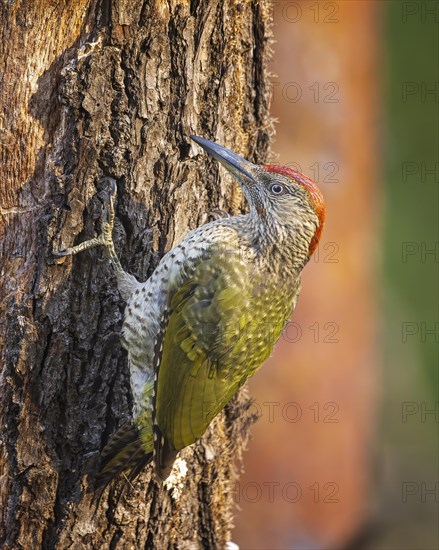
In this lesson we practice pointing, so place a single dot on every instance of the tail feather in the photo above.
(164, 457)
(129, 450)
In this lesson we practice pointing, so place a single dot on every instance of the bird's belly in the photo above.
(140, 330)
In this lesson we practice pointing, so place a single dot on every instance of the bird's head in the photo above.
(285, 201)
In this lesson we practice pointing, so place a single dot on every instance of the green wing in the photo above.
(215, 339)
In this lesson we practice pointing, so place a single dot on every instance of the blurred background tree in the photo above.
(345, 454)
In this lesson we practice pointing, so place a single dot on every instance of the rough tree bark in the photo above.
(109, 88)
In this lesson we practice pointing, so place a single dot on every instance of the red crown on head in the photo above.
(314, 194)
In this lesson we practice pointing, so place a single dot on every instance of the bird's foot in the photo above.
(218, 214)
(105, 238)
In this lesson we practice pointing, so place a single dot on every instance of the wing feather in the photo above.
(223, 324)
(204, 359)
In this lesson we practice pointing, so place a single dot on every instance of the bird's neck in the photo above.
(283, 248)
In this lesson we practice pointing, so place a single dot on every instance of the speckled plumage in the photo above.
(211, 313)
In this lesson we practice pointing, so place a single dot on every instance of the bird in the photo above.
(211, 312)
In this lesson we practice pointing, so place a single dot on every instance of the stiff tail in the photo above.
(129, 450)
(164, 457)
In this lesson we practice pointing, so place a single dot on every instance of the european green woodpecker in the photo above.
(210, 313)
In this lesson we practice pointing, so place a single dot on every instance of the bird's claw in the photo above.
(105, 237)
(218, 214)
(60, 253)
(111, 185)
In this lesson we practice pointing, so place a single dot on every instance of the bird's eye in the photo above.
(277, 189)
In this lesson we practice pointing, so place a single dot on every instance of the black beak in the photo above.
(239, 167)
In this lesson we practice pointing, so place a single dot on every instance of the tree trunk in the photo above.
(110, 88)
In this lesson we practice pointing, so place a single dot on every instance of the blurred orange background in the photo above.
(313, 475)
